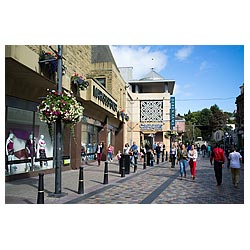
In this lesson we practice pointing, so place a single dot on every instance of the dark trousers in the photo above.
(218, 171)
(172, 157)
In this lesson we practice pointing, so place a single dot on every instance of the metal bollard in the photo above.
(135, 164)
(40, 197)
(144, 165)
(105, 179)
(123, 168)
(81, 182)
(162, 157)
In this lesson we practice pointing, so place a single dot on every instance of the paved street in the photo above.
(154, 185)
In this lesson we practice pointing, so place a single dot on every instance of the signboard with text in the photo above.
(172, 112)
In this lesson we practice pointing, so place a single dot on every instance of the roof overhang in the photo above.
(170, 83)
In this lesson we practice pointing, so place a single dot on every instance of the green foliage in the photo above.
(202, 123)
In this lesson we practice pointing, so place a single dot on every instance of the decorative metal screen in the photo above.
(151, 111)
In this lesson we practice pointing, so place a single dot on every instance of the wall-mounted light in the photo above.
(64, 69)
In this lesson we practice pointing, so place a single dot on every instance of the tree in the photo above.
(218, 119)
(205, 117)
(206, 121)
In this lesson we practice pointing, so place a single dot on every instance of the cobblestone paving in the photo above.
(162, 185)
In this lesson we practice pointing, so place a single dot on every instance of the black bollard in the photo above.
(105, 179)
(123, 167)
(162, 157)
(40, 197)
(135, 164)
(81, 182)
(166, 155)
(144, 165)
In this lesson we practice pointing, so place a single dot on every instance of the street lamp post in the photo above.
(58, 132)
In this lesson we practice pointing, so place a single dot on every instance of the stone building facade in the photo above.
(148, 106)
(27, 83)
(240, 117)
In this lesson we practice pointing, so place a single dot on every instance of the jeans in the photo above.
(158, 155)
(183, 165)
(110, 156)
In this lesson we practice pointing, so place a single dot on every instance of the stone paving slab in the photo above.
(162, 185)
(25, 191)
(155, 185)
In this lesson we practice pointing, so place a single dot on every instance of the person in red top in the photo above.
(218, 157)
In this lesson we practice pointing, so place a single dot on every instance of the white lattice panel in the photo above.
(151, 111)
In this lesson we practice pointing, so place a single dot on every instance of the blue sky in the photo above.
(200, 71)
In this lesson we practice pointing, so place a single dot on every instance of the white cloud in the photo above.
(183, 53)
(203, 65)
(183, 90)
(141, 58)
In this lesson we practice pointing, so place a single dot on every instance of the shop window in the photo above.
(27, 142)
(89, 139)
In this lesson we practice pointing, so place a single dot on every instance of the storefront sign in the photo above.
(149, 126)
(97, 93)
(172, 112)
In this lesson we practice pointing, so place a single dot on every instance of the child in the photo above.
(118, 155)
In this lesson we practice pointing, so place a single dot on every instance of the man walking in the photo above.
(219, 158)
(235, 160)
(134, 153)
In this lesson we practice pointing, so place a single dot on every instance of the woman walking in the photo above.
(98, 151)
(110, 153)
(173, 155)
(192, 155)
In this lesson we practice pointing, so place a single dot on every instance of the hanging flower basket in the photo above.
(63, 106)
(79, 82)
(170, 133)
(48, 59)
(123, 115)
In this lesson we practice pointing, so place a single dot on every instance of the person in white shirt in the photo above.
(192, 155)
(235, 160)
(98, 152)
(126, 149)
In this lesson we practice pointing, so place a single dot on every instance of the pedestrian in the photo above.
(208, 150)
(218, 157)
(158, 151)
(235, 160)
(126, 149)
(142, 153)
(173, 155)
(118, 155)
(192, 155)
(83, 153)
(134, 153)
(152, 158)
(203, 149)
(110, 153)
(182, 159)
(198, 148)
(98, 151)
